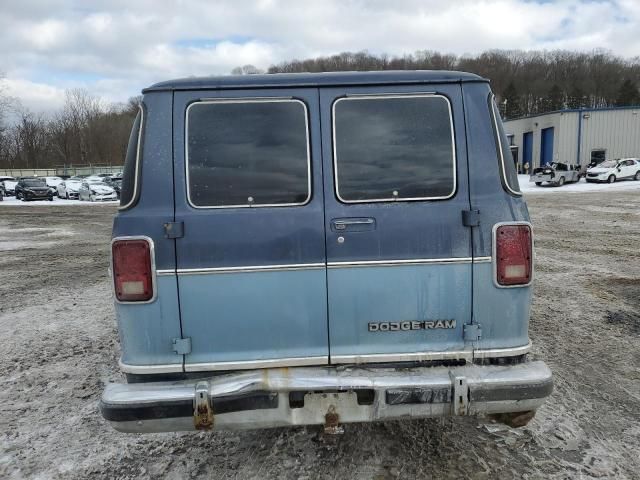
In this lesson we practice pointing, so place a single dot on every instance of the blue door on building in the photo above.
(527, 148)
(546, 146)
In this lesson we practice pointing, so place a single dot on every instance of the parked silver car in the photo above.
(94, 190)
(557, 174)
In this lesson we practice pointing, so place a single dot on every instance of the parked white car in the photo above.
(612, 170)
(9, 185)
(95, 190)
(53, 182)
(69, 188)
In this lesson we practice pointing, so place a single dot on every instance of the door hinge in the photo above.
(182, 346)
(471, 218)
(472, 332)
(174, 230)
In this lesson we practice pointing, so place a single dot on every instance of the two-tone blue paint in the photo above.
(235, 316)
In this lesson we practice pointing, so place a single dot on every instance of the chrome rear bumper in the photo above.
(306, 396)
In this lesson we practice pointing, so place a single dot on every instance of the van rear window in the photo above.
(507, 168)
(130, 189)
(390, 148)
(246, 153)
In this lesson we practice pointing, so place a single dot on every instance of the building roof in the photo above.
(575, 110)
(279, 80)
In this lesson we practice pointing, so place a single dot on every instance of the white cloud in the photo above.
(35, 96)
(124, 46)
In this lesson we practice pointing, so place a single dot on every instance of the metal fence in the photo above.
(87, 169)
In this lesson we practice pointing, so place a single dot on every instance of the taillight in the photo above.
(132, 275)
(513, 255)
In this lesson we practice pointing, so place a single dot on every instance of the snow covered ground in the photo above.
(582, 186)
(525, 185)
(11, 201)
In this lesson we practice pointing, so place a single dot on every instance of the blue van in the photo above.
(301, 249)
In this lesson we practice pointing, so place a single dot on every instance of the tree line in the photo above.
(85, 130)
(525, 83)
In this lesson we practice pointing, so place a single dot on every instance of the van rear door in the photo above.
(251, 261)
(398, 255)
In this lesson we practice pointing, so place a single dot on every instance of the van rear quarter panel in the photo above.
(502, 313)
(147, 329)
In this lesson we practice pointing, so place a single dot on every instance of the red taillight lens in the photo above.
(132, 274)
(513, 255)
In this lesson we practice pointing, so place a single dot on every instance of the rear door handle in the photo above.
(353, 224)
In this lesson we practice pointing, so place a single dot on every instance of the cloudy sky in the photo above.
(114, 48)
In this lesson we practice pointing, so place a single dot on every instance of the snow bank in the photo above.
(582, 186)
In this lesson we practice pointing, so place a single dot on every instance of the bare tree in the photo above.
(246, 70)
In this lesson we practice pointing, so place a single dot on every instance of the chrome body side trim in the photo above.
(149, 369)
(136, 181)
(247, 100)
(413, 261)
(386, 96)
(467, 354)
(502, 352)
(315, 266)
(152, 252)
(482, 259)
(493, 254)
(253, 268)
(251, 364)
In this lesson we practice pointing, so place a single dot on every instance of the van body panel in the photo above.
(361, 296)
(414, 231)
(147, 330)
(265, 315)
(281, 296)
(252, 314)
(502, 313)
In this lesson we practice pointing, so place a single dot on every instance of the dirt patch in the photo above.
(60, 347)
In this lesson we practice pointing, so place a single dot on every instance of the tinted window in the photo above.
(131, 167)
(393, 148)
(508, 169)
(34, 183)
(248, 153)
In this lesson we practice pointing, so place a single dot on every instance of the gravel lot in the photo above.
(60, 346)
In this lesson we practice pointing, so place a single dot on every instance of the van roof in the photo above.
(280, 80)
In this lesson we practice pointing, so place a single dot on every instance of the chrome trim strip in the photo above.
(315, 266)
(136, 180)
(482, 259)
(149, 369)
(391, 263)
(386, 96)
(402, 357)
(248, 269)
(502, 352)
(324, 360)
(467, 354)
(503, 170)
(250, 364)
(152, 252)
(493, 254)
(248, 100)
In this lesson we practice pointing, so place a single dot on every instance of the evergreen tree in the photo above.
(628, 94)
(511, 100)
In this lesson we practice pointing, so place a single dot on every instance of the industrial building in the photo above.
(575, 136)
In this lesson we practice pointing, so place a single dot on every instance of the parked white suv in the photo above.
(612, 170)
